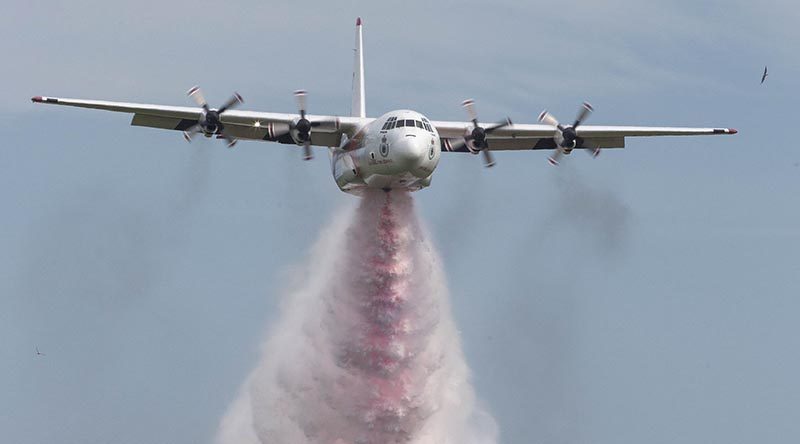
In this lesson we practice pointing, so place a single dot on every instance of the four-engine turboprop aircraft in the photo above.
(398, 150)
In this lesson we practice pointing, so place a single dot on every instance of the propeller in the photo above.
(303, 126)
(566, 137)
(475, 139)
(209, 122)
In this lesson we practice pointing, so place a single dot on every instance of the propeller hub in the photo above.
(210, 122)
(303, 128)
(478, 136)
(569, 136)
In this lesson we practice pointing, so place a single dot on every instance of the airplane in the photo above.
(38, 353)
(398, 150)
(764, 76)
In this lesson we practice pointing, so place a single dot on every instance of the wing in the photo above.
(252, 125)
(540, 137)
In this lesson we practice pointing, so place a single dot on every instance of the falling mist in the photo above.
(365, 350)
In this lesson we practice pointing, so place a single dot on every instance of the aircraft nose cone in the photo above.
(409, 152)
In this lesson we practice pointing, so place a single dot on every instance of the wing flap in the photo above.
(172, 123)
(520, 144)
(277, 132)
(601, 142)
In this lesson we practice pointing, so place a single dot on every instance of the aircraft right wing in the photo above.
(239, 124)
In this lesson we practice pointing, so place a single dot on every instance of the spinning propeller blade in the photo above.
(196, 94)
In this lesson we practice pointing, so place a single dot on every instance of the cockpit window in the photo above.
(389, 123)
(393, 122)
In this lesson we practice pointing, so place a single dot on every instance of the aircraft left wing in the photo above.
(541, 137)
(238, 124)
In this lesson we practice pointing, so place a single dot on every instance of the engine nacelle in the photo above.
(345, 171)
(566, 143)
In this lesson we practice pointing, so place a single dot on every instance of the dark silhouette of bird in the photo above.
(764, 76)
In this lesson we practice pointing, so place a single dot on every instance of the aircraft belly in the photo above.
(354, 177)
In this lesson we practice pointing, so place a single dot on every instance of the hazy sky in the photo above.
(649, 295)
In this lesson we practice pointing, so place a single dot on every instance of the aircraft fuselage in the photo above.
(399, 150)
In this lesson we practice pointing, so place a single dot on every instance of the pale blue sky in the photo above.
(649, 295)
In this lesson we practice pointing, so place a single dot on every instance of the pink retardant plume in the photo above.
(365, 350)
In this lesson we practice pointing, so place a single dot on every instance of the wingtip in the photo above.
(358, 21)
(37, 99)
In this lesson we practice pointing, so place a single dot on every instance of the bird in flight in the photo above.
(764, 76)
(38, 353)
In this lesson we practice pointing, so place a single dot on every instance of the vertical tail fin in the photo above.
(358, 108)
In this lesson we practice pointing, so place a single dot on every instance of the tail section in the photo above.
(358, 108)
